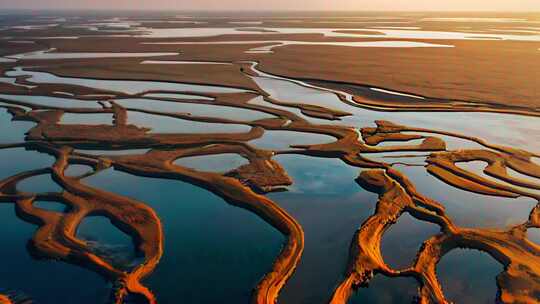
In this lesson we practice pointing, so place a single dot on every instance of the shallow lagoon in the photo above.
(330, 206)
(166, 124)
(12, 131)
(39, 285)
(207, 241)
(467, 209)
(194, 109)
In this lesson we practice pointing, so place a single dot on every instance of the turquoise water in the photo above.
(330, 206)
(213, 252)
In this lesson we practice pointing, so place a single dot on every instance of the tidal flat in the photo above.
(298, 158)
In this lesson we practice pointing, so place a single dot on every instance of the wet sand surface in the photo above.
(270, 158)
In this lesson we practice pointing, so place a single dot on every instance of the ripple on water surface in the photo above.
(207, 241)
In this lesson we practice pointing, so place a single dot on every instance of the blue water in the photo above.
(46, 282)
(468, 276)
(194, 109)
(533, 234)
(56, 102)
(51, 206)
(469, 209)
(108, 242)
(214, 163)
(12, 131)
(38, 184)
(385, 290)
(282, 140)
(213, 252)
(17, 160)
(330, 206)
(401, 242)
(87, 119)
(165, 124)
(77, 170)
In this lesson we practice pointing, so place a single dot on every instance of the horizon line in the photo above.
(269, 10)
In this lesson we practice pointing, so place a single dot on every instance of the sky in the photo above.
(347, 5)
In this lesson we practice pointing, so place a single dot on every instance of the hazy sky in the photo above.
(503, 5)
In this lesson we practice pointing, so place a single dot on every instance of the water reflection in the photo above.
(330, 206)
(108, 242)
(45, 282)
(166, 124)
(214, 163)
(282, 140)
(207, 241)
(402, 241)
(385, 290)
(12, 131)
(194, 109)
(468, 276)
(468, 209)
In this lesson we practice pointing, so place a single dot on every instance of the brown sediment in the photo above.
(358, 32)
(363, 66)
(244, 186)
(5, 300)
(240, 186)
(443, 165)
(518, 283)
